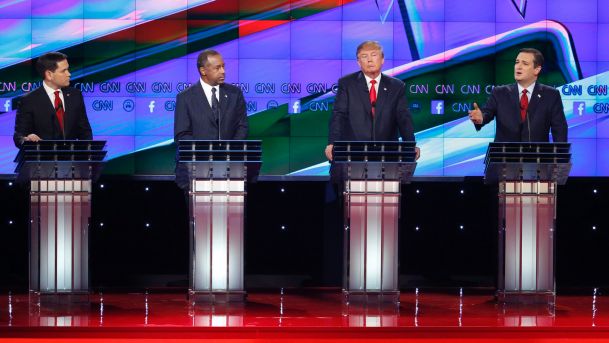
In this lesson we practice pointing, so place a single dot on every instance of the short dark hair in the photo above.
(369, 44)
(49, 62)
(537, 56)
(203, 57)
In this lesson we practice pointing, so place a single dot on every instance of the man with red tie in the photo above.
(53, 110)
(369, 105)
(525, 111)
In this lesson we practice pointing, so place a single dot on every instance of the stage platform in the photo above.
(311, 315)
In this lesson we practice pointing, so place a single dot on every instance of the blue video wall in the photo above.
(131, 58)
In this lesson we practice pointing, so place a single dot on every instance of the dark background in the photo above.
(127, 255)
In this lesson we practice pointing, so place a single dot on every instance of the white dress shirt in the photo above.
(51, 93)
(207, 91)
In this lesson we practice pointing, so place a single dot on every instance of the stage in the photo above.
(283, 315)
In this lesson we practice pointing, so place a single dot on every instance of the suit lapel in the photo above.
(364, 94)
(515, 100)
(380, 97)
(224, 100)
(201, 99)
(535, 99)
(69, 114)
(49, 108)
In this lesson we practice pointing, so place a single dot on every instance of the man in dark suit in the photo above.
(525, 111)
(369, 105)
(54, 110)
(209, 109)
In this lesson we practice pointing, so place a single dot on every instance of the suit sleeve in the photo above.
(84, 127)
(404, 117)
(339, 113)
(24, 122)
(241, 114)
(558, 122)
(489, 110)
(182, 127)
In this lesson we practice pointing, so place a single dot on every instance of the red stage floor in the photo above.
(467, 315)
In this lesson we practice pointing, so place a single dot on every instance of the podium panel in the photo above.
(526, 241)
(59, 175)
(372, 240)
(527, 175)
(217, 210)
(372, 174)
(217, 173)
(59, 235)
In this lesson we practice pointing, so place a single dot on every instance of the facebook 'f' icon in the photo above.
(295, 108)
(437, 107)
(151, 106)
(579, 108)
(6, 104)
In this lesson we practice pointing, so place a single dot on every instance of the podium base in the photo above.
(60, 299)
(371, 297)
(525, 298)
(216, 297)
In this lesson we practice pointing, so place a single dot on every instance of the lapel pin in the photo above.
(226, 96)
(385, 89)
(539, 95)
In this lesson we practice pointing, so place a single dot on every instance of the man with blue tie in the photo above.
(209, 109)
(525, 111)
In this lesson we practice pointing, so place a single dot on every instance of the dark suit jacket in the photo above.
(36, 114)
(193, 119)
(352, 120)
(545, 113)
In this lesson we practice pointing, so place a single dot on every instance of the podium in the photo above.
(527, 175)
(60, 175)
(217, 171)
(372, 173)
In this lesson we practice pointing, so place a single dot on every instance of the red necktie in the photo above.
(524, 104)
(59, 110)
(372, 95)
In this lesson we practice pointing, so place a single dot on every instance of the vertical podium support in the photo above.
(216, 212)
(527, 175)
(60, 175)
(59, 238)
(372, 173)
(218, 171)
(371, 239)
(526, 241)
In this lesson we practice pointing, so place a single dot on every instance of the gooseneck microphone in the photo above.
(373, 120)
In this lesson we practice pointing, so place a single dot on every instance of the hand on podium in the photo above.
(475, 115)
(328, 151)
(32, 137)
(417, 153)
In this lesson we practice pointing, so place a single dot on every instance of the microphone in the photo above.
(529, 126)
(373, 120)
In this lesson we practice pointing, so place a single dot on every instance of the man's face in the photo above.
(524, 71)
(370, 61)
(60, 77)
(213, 71)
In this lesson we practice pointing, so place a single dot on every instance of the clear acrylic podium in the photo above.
(59, 174)
(372, 172)
(218, 171)
(527, 175)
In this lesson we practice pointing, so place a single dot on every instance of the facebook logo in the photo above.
(437, 107)
(151, 106)
(579, 108)
(295, 107)
(6, 105)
